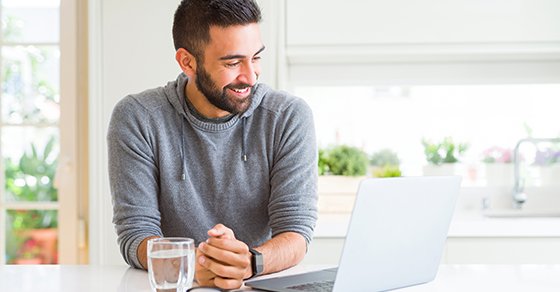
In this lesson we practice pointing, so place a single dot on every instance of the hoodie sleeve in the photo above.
(133, 177)
(293, 199)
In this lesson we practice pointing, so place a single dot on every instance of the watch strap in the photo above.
(257, 265)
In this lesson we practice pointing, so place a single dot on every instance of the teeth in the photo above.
(240, 90)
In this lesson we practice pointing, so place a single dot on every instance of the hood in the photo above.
(175, 92)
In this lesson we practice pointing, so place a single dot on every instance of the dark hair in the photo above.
(193, 19)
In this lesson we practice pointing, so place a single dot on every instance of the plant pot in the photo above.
(47, 239)
(32, 261)
(439, 170)
(550, 174)
(499, 174)
(337, 193)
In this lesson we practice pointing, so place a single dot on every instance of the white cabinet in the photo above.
(361, 22)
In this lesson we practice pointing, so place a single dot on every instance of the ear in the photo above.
(186, 61)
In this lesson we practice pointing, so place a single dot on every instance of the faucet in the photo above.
(519, 196)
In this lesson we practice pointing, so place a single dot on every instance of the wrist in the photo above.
(257, 264)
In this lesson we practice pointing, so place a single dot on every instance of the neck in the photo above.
(201, 103)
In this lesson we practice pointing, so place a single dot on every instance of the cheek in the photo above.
(226, 78)
(257, 68)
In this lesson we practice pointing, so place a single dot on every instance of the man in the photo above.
(214, 155)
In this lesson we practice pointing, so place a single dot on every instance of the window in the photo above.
(32, 195)
(400, 117)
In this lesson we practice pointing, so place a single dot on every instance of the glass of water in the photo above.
(171, 263)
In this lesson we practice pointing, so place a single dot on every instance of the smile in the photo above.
(241, 91)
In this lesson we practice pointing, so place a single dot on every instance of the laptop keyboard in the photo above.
(323, 286)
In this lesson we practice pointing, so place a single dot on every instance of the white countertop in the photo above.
(462, 225)
(47, 278)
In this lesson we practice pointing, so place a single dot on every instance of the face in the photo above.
(230, 67)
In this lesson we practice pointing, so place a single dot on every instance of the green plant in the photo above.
(444, 152)
(347, 160)
(323, 162)
(385, 163)
(384, 157)
(387, 171)
(32, 177)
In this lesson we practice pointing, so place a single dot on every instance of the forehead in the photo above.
(233, 40)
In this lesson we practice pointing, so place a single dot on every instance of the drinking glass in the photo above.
(171, 263)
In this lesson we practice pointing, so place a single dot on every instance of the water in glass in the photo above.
(170, 264)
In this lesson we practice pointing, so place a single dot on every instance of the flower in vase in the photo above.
(496, 154)
(547, 157)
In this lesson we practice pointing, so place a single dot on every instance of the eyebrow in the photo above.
(229, 57)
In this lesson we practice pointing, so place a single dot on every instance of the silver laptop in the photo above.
(395, 238)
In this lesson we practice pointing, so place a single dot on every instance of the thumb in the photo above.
(221, 231)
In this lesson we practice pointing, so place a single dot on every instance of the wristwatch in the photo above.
(256, 262)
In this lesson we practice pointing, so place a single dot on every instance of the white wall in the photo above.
(131, 50)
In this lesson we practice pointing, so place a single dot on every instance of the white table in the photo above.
(45, 278)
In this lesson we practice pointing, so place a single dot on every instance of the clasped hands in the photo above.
(222, 261)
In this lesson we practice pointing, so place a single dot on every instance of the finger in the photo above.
(203, 276)
(221, 270)
(205, 282)
(228, 283)
(232, 245)
(226, 256)
(220, 230)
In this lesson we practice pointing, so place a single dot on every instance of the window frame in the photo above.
(72, 188)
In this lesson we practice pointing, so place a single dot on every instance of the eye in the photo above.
(256, 58)
(232, 65)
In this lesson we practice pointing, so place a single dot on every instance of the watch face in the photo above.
(256, 262)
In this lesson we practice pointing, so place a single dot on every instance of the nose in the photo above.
(249, 74)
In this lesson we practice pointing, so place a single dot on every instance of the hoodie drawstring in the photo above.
(183, 149)
(244, 142)
(183, 162)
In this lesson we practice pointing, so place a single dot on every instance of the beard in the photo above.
(220, 98)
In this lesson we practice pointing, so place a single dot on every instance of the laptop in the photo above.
(395, 238)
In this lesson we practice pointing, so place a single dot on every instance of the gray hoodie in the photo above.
(174, 174)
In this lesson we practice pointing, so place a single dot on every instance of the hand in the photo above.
(202, 275)
(222, 260)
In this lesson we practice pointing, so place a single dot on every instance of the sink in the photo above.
(541, 202)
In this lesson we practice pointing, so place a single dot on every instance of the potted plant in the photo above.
(342, 168)
(548, 162)
(29, 253)
(441, 156)
(498, 166)
(385, 163)
(31, 178)
(347, 161)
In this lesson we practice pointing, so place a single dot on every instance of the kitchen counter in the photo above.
(46, 278)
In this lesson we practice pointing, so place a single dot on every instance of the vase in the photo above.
(550, 174)
(337, 193)
(48, 241)
(31, 261)
(439, 170)
(499, 174)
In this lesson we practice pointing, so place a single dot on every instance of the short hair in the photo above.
(193, 19)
